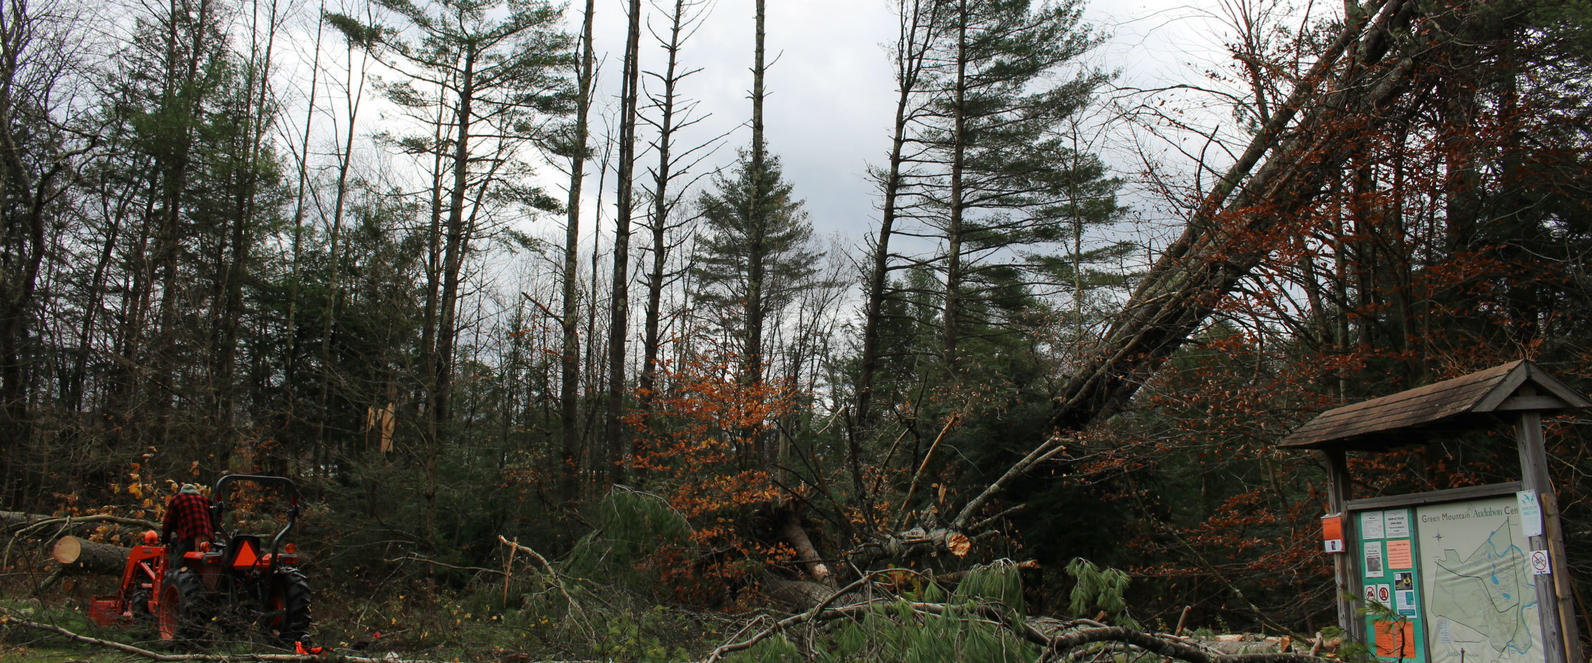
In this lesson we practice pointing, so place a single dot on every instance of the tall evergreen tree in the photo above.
(754, 255)
(1002, 94)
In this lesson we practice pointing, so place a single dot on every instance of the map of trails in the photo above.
(1481, 603)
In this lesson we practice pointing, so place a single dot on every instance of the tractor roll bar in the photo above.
(218, 506)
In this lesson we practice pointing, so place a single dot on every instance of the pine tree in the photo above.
(1002, 99)
(752, 260)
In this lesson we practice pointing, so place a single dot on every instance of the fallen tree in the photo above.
(1365, 70)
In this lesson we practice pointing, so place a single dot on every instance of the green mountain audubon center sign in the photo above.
(1451, 582)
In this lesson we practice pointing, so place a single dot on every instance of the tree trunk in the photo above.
(660, 214)
(909, 62)
(953, 231)
(569, 357)
(619, 309)
(791, 528)
(1236, 224)
(81, 554)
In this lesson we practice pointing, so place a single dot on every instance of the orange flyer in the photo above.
(1399, 555)
(1394, 642)
(1331, 527)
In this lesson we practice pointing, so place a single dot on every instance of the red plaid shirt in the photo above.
(188, 518)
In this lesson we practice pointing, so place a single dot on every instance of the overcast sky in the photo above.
(831, 95)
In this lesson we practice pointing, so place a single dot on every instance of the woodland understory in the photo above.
(564, 372)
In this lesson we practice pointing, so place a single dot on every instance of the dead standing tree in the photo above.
(1365, 70)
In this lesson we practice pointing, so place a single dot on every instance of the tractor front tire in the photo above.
(180, 615)
(288, 607)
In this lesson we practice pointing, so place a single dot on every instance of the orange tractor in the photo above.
(234, 576)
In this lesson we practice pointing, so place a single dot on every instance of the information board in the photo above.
(1477, 572)
(1390, 585)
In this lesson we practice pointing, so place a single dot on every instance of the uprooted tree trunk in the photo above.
(1242, 218)
(791, 529)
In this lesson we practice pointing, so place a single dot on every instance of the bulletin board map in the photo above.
(1481, 600)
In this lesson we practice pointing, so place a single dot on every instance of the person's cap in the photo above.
(189, 489)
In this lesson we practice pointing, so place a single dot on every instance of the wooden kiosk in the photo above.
(1466, 575)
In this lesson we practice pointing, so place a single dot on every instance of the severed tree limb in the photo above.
(552, 574)
(27, 522)
(906, 502)
(1045, 451)
(1164, 646)
(822, 610)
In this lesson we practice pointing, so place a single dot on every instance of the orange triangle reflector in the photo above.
(246, 555)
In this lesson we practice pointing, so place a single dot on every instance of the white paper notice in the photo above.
(1373, 559)
(1404, 600)
(1371, 526)
(1530, 513)
(1398, 524)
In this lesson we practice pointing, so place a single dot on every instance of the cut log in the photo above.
(897, 547)
(83, 555)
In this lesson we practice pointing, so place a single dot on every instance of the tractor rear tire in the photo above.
(181, 615)
(288, 607)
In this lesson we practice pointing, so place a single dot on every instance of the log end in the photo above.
(67, 550)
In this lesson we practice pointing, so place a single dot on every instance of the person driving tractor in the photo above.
(187, 523)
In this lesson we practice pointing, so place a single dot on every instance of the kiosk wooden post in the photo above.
(1342, 564)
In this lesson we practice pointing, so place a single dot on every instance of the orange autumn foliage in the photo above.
(701, 446)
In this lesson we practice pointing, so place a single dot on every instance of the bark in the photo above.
(31, 521)
(241, 245)
(953, 230)
(10, 519)
(791, 529)
(159, 656)
(1058, 642)
(81, 554)
(752, 371)
(796, 594)
(661, 208)
(295, 252)
(619, 309)
(569, 357)
(352, 96)
(910, 50)
(453, 251)
(895, 548)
